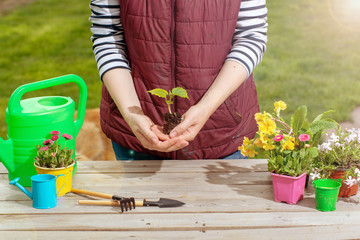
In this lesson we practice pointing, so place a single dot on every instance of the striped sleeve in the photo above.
(249, 40)
(108, 35)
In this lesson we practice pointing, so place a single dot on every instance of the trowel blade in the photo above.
(164, 203)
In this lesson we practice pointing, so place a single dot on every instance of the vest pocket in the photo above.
(236, 115)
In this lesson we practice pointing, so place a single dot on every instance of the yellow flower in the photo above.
(250, 152)
(280, 105)
(268, 147)
(261, 117)
(247, 148)
(289, 144)
(264, 138)
(264, 142)
(259, 143)
(268, 126)
(246, 142)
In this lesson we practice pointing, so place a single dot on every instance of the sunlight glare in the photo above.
(346, 13)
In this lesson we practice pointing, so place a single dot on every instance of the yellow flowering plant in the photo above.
(290, 148)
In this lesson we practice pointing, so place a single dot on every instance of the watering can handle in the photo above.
(14, 101)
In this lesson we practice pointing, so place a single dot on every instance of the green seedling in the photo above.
(178, 91)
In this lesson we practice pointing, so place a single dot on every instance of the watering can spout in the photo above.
(7, 154)
(16, 183)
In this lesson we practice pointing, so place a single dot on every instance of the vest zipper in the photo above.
(172, 33)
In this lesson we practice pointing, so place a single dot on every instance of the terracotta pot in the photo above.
(345, 191)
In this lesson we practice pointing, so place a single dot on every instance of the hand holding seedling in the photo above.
(171, 120)
(151, 135)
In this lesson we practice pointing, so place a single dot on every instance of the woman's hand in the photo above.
(193, 120)
(230, 77)
(120, 85)
(151, 135)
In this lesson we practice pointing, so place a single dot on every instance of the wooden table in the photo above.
(225, 199)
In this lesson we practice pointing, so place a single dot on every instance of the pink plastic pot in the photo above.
(288, 189)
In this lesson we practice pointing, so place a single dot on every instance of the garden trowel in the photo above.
(125, 203)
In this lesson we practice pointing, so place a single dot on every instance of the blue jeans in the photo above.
(123, 154)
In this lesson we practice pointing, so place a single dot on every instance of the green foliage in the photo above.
(341, 151)
(298, 119)
(292, 163)
(298, 161)
(290, 149)
(168, 96)
(51, 155)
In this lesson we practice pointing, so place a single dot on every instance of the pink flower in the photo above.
(55, 133)
(44, 148)
(54, 137)
(48, 142)
(53, 154)
(278, 138)
(67, 136)
(307, 145)
(304, 137)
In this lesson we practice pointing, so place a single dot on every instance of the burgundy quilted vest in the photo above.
(182, 43)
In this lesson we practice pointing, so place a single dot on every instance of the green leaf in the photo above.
(159, 92)
(179, 91)
(322, 125)
(313, 152)
(306, 124)
(320, 116)
(317, 136)
(302, 152)
(298, 118)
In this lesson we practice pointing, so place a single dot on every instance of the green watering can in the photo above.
(31, 120)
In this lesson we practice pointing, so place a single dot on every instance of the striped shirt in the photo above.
(249, 40)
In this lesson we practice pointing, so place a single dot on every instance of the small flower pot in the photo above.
(63, 185)
(326, 194)
(345, 190)
(288, 189)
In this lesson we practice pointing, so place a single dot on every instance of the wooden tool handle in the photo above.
(90, 193)
(107, 203)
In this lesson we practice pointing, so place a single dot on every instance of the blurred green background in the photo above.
(312, 58)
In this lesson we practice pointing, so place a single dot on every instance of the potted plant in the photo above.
(339, 158)
(52, 159)
(289, 148)
(171, 120)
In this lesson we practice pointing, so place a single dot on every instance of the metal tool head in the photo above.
(164, 203)
(127, 204)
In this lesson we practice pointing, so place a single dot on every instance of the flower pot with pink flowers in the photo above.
(289, 148)
(53, 159)
(339, 158)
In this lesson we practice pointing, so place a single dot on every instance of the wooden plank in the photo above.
(212, 205)
(174, 221)
(311, 232)
(169, 166)
(189, 186)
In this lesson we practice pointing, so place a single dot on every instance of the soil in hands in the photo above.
(171, 120)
